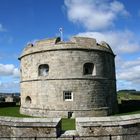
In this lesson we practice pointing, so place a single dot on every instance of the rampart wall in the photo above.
(119, 128)
(87, 128)
(11, 127)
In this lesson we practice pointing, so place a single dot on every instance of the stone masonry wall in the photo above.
(29, 127)
(87, 128)
(96, 92)
(67, 64)
(120, 128)
(91, 104)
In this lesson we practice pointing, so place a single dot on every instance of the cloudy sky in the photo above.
(114, 21)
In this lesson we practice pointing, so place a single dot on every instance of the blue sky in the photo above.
(115, 21)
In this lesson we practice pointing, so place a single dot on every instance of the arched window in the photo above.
(88, 69)
(28, 100)
(43, 70)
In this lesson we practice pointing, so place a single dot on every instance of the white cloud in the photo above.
(16, 73)
(128, 73)
(128, 64)
(9, 70)
(120, 41)
(129, 70)
(94, 14)
(10, 74)
(2, 29)
(9, 87)
(123, 84)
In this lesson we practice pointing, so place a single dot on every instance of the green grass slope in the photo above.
(11, 112)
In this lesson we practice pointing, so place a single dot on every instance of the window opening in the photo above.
(88, 69)
(43, 70)
(68, 96)
(28, 100)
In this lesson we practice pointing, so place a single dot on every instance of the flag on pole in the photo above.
(60, 30)
(61, 33)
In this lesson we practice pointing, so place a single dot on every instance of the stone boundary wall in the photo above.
(29, 127)
(87, 128)
(119, 127)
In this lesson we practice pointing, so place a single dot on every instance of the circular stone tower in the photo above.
(68, 79)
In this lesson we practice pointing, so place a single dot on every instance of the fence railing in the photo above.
(103, 137)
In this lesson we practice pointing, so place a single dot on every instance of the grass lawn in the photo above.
(68, 124)
(127, 96)
(11, 112)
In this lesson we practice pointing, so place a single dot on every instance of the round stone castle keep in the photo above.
(68, 79)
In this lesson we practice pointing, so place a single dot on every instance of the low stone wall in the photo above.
(29, 127)
(87, 128)
(114, 128)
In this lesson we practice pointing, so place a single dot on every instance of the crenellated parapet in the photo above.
(74, 43)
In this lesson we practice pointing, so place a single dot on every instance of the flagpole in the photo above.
(61, 33)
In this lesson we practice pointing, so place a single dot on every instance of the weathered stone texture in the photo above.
(29, 127)
(93, 94)
(87, 128)
(120, 128)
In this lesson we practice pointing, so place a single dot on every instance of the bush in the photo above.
(7, 104)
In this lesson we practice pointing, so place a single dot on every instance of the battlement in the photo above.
(84, 41)
(48, 42)
(73, 43)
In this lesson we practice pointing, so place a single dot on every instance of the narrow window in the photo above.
(68, 96)
(88, 69)
(28, 100)
(43, 70)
